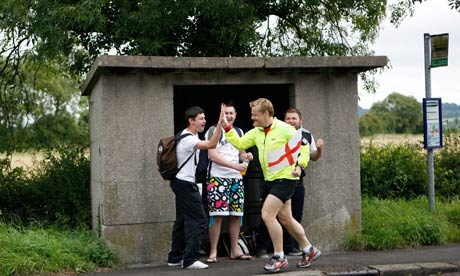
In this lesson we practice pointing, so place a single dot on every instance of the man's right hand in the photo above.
(314, 156)
(319, 145)
(222, 118)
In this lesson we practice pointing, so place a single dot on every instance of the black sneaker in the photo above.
(179, 263)
(295, 252)
(262, 254)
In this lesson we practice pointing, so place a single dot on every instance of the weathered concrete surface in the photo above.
(132, 107)
(430, 260)
(311, 64)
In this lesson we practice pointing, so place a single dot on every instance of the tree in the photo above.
(38, 90)
(395, 114)
(69, 35)
(78, 31)
(51, 131)
(370, 124)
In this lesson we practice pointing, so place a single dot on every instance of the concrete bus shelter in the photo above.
(136, 100)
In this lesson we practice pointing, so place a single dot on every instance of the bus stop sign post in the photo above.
(438, 46)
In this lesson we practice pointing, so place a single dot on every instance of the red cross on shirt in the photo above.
(288, 154)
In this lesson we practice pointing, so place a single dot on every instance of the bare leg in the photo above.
(270, 210)
(234, 231)
(292, 226)
(214, 233)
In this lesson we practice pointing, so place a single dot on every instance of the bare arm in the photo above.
(215, 157)
(314, 156)
(212, 143)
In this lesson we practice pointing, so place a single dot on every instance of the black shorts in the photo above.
(281, 188)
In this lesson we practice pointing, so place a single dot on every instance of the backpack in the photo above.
(246, 243)
(204, 164)
(167, 158)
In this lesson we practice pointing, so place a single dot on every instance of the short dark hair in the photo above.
(192, 112)
(229, 103)
(293, 110)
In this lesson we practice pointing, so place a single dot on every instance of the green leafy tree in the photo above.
(450, 110)
(51, 131)
(370, 124)
(69, 35)
(78, 31)
(39, 91)
(395, 114)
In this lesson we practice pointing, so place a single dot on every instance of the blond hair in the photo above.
(263, 105)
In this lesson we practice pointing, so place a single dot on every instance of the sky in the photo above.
(404, 47)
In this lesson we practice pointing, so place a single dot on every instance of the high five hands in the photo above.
(222, 118)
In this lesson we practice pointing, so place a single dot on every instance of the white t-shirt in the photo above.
(229, 153)
(184, 149)
(312, 144)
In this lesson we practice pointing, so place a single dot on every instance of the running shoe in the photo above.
(309, 257)
(276, 263)
(197, 265)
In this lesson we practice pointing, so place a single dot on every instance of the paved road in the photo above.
(430, 260)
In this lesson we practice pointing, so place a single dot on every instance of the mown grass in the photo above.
(389, 224)
(38, 251)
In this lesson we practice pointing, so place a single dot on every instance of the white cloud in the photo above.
(404, 46)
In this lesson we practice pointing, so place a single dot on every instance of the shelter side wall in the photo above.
(96, 105)
(133, 208)
(137, 111)
(328, 104)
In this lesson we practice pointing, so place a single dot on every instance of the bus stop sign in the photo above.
(439, 50)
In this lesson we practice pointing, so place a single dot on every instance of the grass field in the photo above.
(383, 139)
(28, 160)
(25, 159)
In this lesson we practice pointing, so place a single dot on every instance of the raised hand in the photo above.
(319, 144)
(222, 118)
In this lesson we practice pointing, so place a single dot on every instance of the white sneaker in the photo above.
(197, 265)
(179, 263)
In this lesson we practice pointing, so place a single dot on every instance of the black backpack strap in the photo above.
(239, 131)
(306, 135)
(178, 138)
(183, 164)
